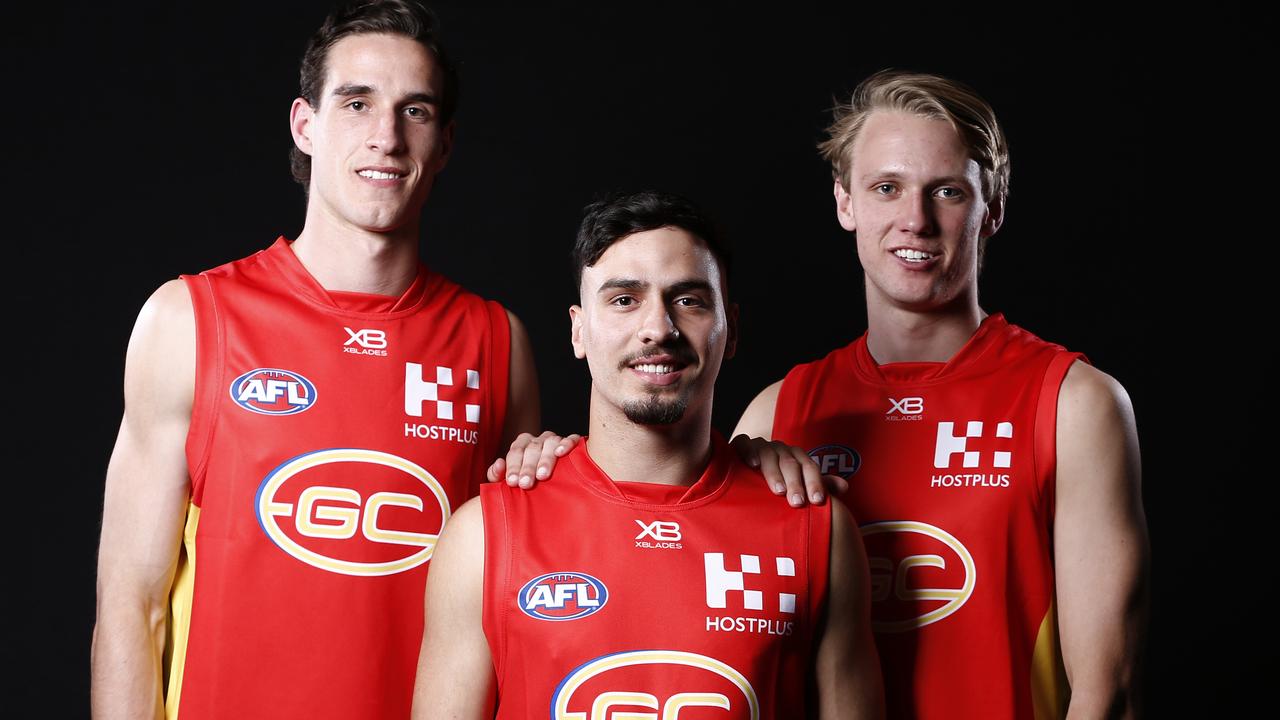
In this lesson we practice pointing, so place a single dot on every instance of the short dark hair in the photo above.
(618, 215)
(359, 17)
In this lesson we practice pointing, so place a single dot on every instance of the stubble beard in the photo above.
(656, 410)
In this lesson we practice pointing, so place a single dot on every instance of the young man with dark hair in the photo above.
(300, 424)
(548, 601)
(996, 476)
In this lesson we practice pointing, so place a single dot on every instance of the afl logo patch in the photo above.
(562, 596)
(272, 391)
(837, 460)
(353, 511)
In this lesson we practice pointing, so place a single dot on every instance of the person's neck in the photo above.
(898, 334)
(353, 260)
(675, 454)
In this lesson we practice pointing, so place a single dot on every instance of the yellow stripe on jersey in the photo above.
(180, 614)
(1049, 689)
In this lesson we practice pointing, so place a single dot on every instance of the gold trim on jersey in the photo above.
(175, 651)
(1049, 689)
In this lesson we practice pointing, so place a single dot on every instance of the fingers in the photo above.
(528, 465)
(495, 471)
(748, 449)
(788, 470)
(515, 458)
(812, 477)
(531, 458)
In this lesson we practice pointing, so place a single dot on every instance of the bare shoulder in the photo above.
(160, 365)
(1092, 393)
(757, 419)
(461, 544)
(1097, 436)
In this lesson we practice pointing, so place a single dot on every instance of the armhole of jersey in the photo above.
(1046, 431)
(819, 564)
(497, 569)
(209, 363)
(500, 361)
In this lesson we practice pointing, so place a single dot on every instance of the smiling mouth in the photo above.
(656, 369)
(380, 175)
(914, 256)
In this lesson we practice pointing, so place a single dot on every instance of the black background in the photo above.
(154, 141)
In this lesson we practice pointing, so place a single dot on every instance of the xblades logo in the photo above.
(659, 535)
(908, 408)
(365, 342)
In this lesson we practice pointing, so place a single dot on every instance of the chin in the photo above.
(655, 410)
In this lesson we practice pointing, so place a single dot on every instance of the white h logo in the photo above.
(416, 391)
(948, 444)
(721, 581)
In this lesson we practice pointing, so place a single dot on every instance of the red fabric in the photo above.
(649, 635)
(273, 634)
(966, 654)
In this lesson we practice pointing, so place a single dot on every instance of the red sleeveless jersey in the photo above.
(606, 599)
(331, 437)
(951, 470)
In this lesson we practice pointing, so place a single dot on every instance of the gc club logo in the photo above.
(836, 460)
(627, 684)
(562, 596)
(381, 517)
(272, 391)
(920, 574)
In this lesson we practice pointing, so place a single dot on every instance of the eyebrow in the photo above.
(350, 89)
(895, 175)
(632, 284)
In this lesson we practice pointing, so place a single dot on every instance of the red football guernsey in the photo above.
(639, 600)
(951, 472)
(331, 437)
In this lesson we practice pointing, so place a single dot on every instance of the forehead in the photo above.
(907, 143)
(659, 257)
(387, 62)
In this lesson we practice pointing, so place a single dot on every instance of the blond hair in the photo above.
(930, 96)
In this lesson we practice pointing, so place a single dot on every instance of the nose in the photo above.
(387, 133)
(916, 214)
(656, 325)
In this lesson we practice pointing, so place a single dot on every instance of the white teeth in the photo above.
(655, 369)
(376, 175)
(913, 255)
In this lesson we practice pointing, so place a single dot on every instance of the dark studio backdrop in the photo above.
(159, 142)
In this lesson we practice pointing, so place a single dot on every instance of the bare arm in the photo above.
(1100, 544)
(144, 509)
(455, 670)
(524, 409)
(788, 470)
(847, 666)
(757, 419)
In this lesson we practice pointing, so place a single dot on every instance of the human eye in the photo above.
(623, 301)
(884, 188)
(417, 112)
(949, 193)
(357, 105)
(690, 301)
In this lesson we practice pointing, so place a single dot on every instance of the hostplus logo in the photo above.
(954, 451)
(427, 399)
(721, 581)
